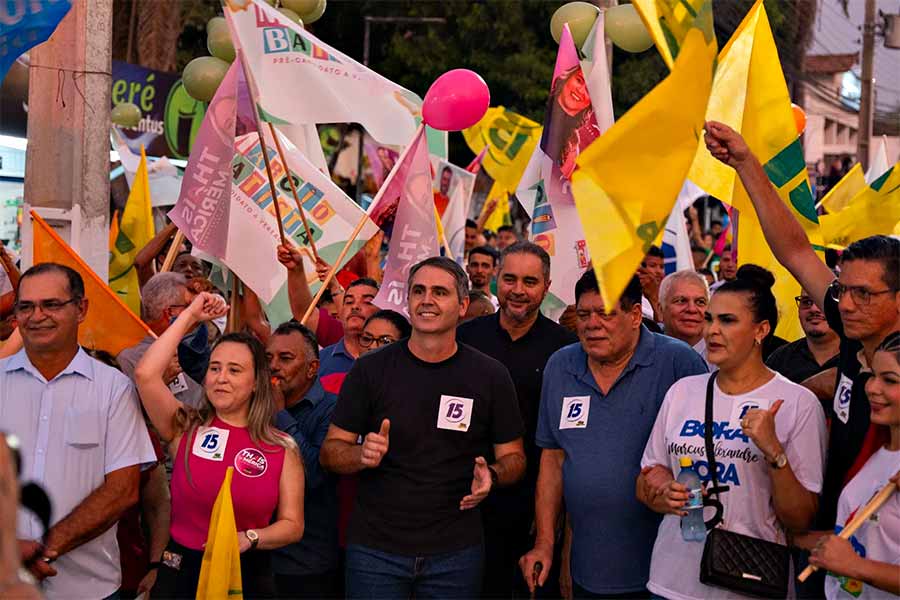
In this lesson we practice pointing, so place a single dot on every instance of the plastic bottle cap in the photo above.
(686, 461)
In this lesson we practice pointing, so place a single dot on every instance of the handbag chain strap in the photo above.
(712, 498)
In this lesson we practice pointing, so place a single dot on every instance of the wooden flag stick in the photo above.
(251, 88)
(861, 517)
(173, 251)
(334, 268)
(309, 236)
(265, 153)
(232, 324)
(360, 225)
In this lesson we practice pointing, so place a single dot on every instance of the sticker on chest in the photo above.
(250, 462)
(210, 443)
(575, 412)
(842, 396)
(455, 413)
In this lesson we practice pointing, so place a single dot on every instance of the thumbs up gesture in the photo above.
(759, 426)
(481, 485)
(375, 446)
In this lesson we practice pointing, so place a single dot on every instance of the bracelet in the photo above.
(154, 564)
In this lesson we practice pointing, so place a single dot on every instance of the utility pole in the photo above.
(67, 161)
(866, 98)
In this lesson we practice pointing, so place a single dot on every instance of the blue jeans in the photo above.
(375, 574)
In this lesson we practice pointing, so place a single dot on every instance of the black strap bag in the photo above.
(733, 561)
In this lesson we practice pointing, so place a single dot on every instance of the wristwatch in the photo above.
(253, 537)
(779, 461)
(494, 476)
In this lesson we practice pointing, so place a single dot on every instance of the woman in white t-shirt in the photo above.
(769, 439)
(868, 565)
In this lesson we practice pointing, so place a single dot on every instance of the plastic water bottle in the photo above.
(693, 529)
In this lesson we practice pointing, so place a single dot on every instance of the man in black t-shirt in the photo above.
(523, 339)
(862, 306)
(429, 411)
(815, 352)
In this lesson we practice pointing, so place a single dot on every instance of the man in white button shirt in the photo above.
(82, 438)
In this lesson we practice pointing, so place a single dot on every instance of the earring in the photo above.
(757, 342)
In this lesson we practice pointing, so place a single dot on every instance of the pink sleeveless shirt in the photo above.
(254, 486)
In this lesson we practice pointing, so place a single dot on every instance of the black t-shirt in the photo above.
(796, 362)
(849, 416)
(409, 505)
(525, 358)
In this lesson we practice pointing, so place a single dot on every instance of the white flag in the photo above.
(302, 80)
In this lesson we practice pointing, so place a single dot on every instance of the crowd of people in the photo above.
(475, 448)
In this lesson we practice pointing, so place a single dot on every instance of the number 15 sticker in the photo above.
(455, 413)
(575, 411)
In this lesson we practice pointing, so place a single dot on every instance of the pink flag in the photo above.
(475, 165)
(406, 201)
(202, 210)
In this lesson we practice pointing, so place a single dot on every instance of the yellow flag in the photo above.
(750, 94)
(104, 306)
(135, 231)
(220, 572)
(510, 140)
(840, 195)
(621, 211)
(874, 210)
(501, 215)
(669, 22)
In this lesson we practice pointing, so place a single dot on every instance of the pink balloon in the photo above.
(456, 100)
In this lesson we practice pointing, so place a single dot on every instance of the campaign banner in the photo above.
(170, 118)
(303, 80)
(452, 188)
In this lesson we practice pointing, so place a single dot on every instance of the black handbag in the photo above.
(736, 562)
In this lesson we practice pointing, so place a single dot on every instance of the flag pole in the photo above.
(360, 225)
(251, 87)
(173, 251)
(334, 268)
(290, 178)
(232, 324)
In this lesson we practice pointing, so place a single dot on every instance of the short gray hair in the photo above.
(448, 265)
(160, 292)
(688, 276)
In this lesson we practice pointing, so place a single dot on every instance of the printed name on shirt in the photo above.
(210, 443)
(250, 462)
(455, 413)
(575, 412)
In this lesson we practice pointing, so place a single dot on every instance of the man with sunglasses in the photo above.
(862, 306)
(817, 351)
(82, 438)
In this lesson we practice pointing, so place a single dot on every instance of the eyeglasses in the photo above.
(366, 340)
(585, 314)
(25, 309)
(861, 295)
(804, 302)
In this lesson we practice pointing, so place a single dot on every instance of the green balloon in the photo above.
(315, 14)
(301, 7)
(291, 15)
(215, 23)
(125, 114)
(579, 15)
(218, 42)
(202, 77)
(626, 30)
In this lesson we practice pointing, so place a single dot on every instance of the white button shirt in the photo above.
(74, 429)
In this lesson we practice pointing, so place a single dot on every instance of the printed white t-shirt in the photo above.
(748, 505)
(879, 537)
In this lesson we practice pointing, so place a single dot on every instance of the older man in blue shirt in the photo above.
(307, 569)
(599, 401)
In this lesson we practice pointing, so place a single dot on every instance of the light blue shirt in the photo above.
(74, 429)
(603, 437)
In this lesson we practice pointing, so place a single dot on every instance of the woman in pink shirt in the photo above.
(234, 428)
